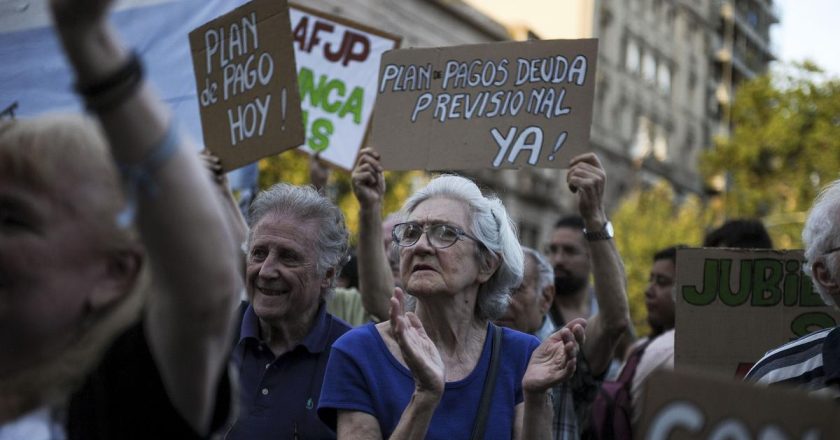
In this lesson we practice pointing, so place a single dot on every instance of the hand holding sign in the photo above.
(368, 181)
(587, 178)
(247, 83)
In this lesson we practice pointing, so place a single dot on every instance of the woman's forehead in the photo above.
(441, 210)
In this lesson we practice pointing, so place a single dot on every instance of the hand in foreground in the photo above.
(79, 12)
(552, 362)
(578, 328)
(214, 165)
(587, 178)
(418, 351)
(367, 177)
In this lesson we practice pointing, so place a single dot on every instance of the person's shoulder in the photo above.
(337, 327)
(355, 339)
(518, 339)
(768, 368)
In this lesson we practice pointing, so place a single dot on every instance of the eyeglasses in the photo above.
(831, 251)
(440, 235)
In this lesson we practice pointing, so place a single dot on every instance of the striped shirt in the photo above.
(811, 363)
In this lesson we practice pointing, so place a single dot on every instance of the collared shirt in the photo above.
(811, 363)
(279, 395)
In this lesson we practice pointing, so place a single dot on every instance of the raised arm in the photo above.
(604, 330)
(235, 221)
(376, 282)
(189, 314)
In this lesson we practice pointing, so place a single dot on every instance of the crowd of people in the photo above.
(123, 267)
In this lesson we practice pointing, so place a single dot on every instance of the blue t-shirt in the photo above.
(362, 375)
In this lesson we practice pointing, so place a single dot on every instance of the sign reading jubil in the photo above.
(497, 105)
(247, 84)
(733, 305)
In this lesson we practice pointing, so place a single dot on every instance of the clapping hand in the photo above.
(419, 352)
(555, 360)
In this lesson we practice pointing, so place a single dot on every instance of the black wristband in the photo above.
(113, 90)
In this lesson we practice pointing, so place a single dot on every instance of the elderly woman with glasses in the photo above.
(423, 374)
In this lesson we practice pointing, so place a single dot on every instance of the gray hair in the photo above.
(493, 228)
(819, 233)
(305, 203)
(545, 273)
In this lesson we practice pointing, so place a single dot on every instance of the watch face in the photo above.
(609, 229)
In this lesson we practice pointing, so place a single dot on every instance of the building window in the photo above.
(633, 56)
(649, 68)
(663, 78)
(660, 143)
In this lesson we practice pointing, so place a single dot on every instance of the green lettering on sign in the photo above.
(707, 295)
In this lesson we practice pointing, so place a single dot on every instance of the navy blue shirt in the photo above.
(279, 396)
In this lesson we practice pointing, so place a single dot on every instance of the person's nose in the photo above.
(424, 244)
(270, 268)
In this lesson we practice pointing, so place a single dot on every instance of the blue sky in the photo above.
(809, 29)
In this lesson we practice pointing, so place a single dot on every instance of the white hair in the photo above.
(820, 234)
(545, 273)
(493, 228)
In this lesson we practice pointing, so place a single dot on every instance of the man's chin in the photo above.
(568, 286)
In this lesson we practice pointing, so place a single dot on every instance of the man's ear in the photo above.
(546, 298)
(823, 277)
(118, 276)
(327, 280)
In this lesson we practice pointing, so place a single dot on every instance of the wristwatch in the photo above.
(605, 233)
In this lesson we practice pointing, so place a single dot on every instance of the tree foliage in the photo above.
(647, 221)
(784, 147)
(293, 167)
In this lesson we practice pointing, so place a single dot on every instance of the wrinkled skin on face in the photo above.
(281, 276)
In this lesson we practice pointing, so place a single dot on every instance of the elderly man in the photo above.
(812, 362)
(529, 303)
(296, 246)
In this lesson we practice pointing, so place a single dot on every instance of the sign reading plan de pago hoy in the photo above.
(498, 105)
(678, 405)
(338, 61)
(734, 305)
(247, 84)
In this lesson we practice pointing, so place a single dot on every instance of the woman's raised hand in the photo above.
(555, 359)
(418, 351)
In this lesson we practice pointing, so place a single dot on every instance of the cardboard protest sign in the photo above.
(247, 83)
(734, 305)
(677, 405)
(498, 105)
(338, 61)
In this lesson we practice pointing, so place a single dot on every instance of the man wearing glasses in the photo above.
(812, 362)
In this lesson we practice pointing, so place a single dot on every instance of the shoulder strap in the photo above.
(629, 370)
(489, 385)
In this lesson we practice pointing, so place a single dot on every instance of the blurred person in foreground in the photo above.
(812, 362)
(88, 348)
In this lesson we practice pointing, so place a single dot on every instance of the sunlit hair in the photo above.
(66, 156)
(305, 203)
(820, 234)
(545, 273)
(493, 228)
